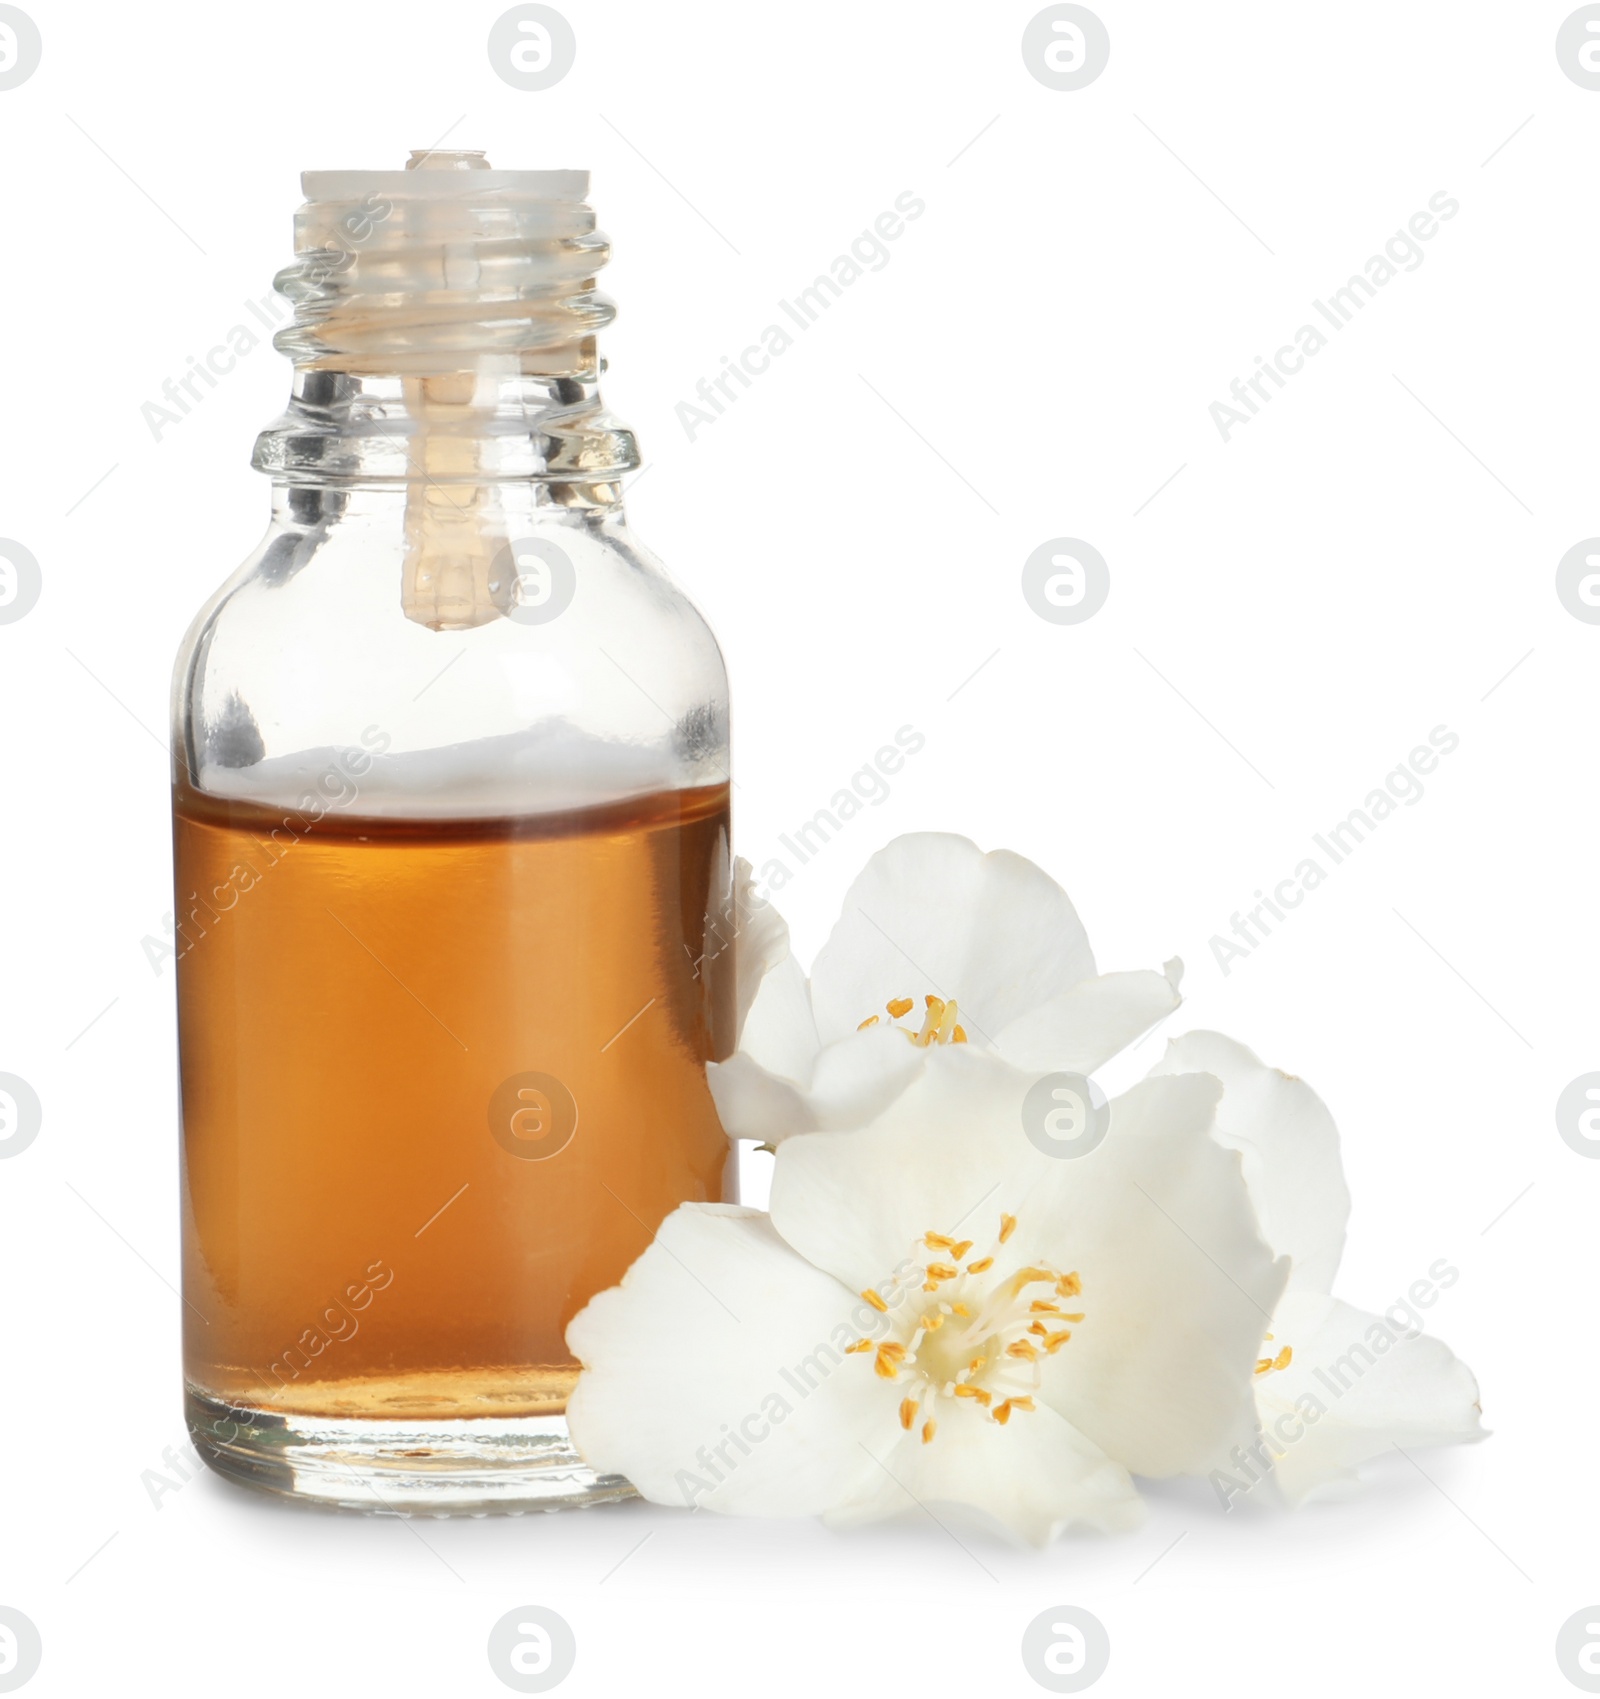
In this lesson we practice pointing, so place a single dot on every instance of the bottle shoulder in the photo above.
(563, 662)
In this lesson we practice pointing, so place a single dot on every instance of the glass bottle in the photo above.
(451, 839)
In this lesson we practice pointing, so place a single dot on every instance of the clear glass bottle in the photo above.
(451, 837)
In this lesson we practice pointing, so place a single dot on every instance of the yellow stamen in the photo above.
(934, 1003)
(959, 1036)
(1017, 1330)
(1284, 1357)
(1073, 1315)
(871, 1020)
(1029, 1277)
(898, 1006)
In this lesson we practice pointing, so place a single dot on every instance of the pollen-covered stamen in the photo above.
(940, 1024)
(984, 1338)
(1270, 1365)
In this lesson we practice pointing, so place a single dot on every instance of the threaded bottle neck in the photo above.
(447, 304)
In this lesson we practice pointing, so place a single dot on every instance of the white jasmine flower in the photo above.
(1335, 1385)
(936, 1313)
(937, 944)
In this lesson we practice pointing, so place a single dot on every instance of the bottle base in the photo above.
(469, 1467)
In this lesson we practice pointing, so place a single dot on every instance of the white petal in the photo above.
(761, 940)
(1035, 1476)
(1290, 1148)
(948, 1148)
(850, 1082)
(1178, 1286)
(779, 1032)
(857, 1078)
(755, 1104)
(713, 1375)
(1358, 1386)
(931, 913)
(1085, 1027)
(760, 1091)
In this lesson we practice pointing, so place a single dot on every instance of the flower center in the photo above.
(939, 1025)
(971, 1329)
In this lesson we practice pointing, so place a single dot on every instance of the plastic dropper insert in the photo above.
(472, 292)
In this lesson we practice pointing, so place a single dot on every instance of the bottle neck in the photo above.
(445, 334)
(483, 425)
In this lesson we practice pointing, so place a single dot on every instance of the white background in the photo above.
(1291, 614)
